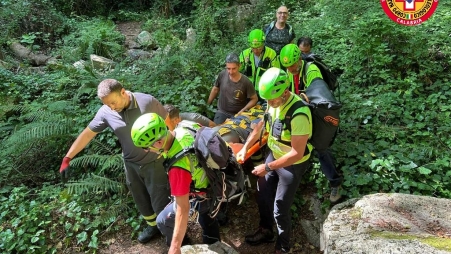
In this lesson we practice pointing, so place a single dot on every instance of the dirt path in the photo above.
(130, 30)
(243, 219)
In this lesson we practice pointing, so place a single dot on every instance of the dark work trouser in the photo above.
(149, 186)
(210, 226)
(220, 117)
(276, 191)
(327, 163)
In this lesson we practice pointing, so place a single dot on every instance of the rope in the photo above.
(193, 213)
(223, 198)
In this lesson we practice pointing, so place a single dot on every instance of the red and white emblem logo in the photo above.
(409, 12)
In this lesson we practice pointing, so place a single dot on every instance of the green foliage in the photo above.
(29, 39)
(83, 7)
(25, 223)
(52, 219)
(29, 150)
(40, 129)
(94, 36)
(210, 21)
(95, 183)
(31, 17)
(394, 130)
(297, 205)
(26, 87)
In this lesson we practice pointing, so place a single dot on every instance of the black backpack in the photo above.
(330, 78)
(325, 110)
(225, 174)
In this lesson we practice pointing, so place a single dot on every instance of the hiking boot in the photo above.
(260, 236)
(335, 194)
(147, 234)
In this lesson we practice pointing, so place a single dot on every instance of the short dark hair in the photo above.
(108, 86)
(307, 41)
(173, 112)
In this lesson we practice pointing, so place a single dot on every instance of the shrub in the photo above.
(94, 36)
(53, 219)
(31, 17)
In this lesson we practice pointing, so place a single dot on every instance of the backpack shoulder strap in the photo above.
(290, 32)
(167, 164)
(266, 119)
(191, 130)
(269, 28)
(290, 113)
(304, 72)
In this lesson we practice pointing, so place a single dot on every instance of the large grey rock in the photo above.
(136, 54)
(389, 223)
(216, 248)
(238, 16)
(80, 64)
(146, 40)
(101, 63)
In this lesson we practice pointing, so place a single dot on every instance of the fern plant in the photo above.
(94, 37)
(36, 137)
(95, 184)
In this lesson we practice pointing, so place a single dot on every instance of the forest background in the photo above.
(394, 85)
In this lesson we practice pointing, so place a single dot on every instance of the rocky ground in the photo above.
(243, 219)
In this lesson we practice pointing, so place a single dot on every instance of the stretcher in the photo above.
(235, 131)
(236, 147)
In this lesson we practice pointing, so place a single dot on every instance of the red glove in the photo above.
(65, 169)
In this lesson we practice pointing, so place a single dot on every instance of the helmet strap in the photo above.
(161, 150)
(165, 142)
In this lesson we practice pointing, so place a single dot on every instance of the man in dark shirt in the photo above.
(279, 33)
(145, 175)
(236, 92)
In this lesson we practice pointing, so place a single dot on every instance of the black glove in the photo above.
(248, 70)
(265, 63)
(65, 169)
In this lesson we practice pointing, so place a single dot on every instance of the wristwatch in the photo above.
(267, 168)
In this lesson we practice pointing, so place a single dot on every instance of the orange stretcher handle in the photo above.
(256, 147)
(237, 147)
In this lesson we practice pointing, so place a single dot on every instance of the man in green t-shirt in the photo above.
(290, 57)
(286, 163)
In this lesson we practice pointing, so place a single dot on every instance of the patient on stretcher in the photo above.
(235, 131)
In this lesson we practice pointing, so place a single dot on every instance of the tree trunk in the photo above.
(25, 53)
